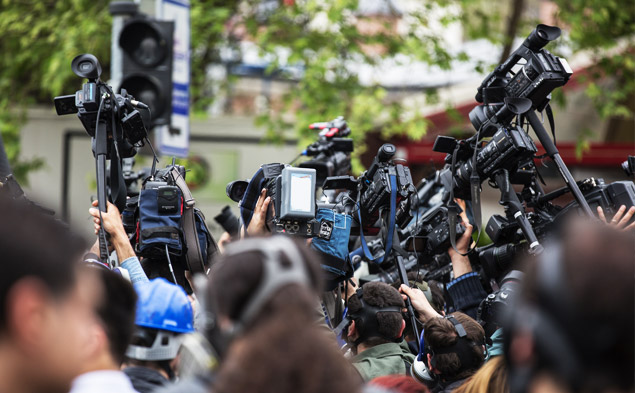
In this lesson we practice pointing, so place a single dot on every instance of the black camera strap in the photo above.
(552, 126)
(454, 209)
(391, 222)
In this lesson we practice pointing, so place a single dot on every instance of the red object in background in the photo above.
(601, 154)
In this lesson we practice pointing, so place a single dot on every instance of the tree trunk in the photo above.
(512, 27)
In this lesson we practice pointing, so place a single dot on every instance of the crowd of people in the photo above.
(258, 321)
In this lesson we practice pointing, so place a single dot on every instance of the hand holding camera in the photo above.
(112, 224)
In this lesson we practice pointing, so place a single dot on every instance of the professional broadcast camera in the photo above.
(114, 124)
(514, 90)
(386, 185)
(534, 79)
(97, 105)
(332, 150)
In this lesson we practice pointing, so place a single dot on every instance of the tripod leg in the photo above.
(552, 151)
(510, 200)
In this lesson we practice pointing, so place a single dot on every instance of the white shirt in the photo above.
(103, 381)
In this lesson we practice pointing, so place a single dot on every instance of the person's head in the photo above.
(573, 327)
(263, 294)
(491, 378)
(115, 317)
(375, 313)
(399, 383)
(455, 346)
(164, 314)
(46, 305)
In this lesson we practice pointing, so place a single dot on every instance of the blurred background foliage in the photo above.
(40, 37)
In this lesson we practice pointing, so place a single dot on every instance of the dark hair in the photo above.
(282, 349)
(590, 306)
(438, 300)
(117, 311)
(441, 333)
(235, 278)
(35, 245)
(379, 294)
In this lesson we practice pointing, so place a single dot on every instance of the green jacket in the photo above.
(383, 359)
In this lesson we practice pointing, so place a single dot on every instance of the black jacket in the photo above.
(145, 380)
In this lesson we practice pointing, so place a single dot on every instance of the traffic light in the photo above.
(147, 66)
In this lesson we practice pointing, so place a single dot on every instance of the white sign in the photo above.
(174, 140)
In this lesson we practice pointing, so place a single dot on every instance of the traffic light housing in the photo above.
(147, 45)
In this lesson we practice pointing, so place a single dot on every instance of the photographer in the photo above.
(262, 294)
(111, 334)
(456, 349)
(47, 302)
(164, 313)
(572, 329)
(375, 331)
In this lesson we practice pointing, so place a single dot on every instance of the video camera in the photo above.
(97, 104)
(373, 189)
(331, 151)
(115, 126)
(510, 148)
(534, 79)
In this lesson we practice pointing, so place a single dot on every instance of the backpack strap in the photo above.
(193, 255)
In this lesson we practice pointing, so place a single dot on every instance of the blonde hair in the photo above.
(491, 378)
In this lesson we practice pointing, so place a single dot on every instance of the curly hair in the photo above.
(379, 294)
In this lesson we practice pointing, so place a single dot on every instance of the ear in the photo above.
(97, 339)
(434, 370)
(403, 326)
(352, 331)
(27, 313)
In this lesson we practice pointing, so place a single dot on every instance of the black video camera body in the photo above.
(510, 148)
(376, 188)
(534, 79)
(96, 99)
(431, 234)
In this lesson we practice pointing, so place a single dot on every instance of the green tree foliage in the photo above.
(607, 29)
(39, 39)
(327, 40)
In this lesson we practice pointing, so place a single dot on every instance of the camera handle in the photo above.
(403, 276)
(552, 151)
(513, 207)
(101, 150)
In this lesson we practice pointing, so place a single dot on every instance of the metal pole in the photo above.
(553, 152)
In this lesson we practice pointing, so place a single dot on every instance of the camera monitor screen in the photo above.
(301, 192)
(297, 193)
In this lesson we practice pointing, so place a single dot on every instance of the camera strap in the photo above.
(391, 223)
(552, 126)
(454, 209)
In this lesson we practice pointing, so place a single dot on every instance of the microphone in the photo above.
(138, 104)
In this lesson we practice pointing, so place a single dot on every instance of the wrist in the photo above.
(119, 236)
